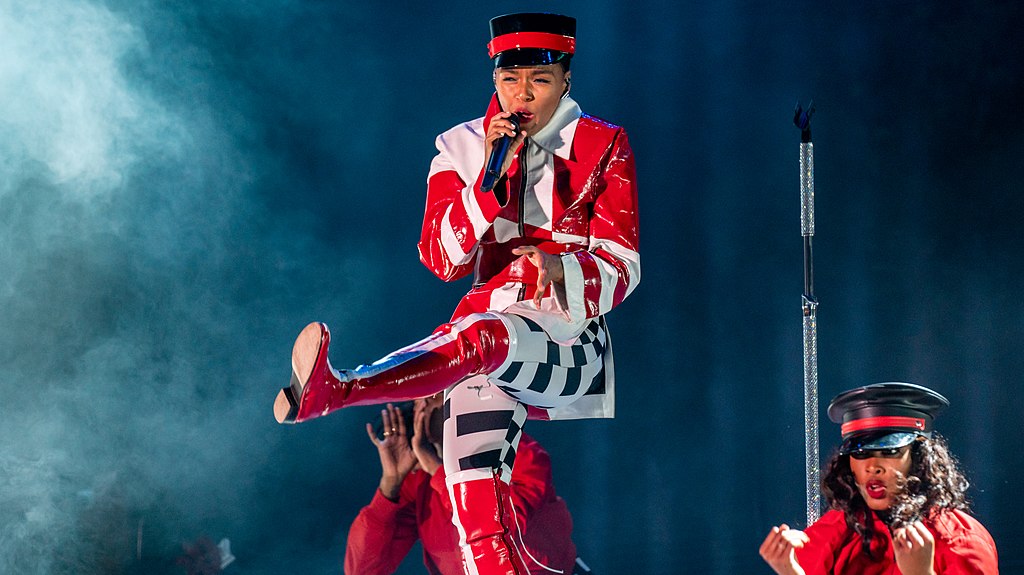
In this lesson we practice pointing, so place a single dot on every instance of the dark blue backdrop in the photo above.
(184, 188)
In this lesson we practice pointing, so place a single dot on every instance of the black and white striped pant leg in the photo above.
(545, 374)
(482, 428)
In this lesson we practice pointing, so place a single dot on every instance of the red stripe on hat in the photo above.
(881, 422)
(542, 40)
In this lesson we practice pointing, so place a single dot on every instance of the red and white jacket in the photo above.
(576, 197)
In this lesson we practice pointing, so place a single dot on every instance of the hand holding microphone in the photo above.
(503, 136)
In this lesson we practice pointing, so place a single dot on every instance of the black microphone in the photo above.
(498, 153)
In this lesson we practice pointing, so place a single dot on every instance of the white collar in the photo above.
(556, 137)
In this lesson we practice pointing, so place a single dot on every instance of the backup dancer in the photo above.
(411, 503)
(897, 496)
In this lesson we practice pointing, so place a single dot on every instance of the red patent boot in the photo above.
(314, 382)
(482, 512)
(475, 344)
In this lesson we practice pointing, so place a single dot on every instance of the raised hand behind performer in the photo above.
(396, 454)
(426, 443)
(384, 532)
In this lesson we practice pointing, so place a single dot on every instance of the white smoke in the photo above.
(131, 244)
(65, 104)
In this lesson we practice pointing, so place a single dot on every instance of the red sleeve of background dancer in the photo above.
(544, 518)
(438, 484)
(963, 545)
(381, 535)
(817, 557)
(531, 479)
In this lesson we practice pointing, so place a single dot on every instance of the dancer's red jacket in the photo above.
(962, 547)
(384, 531)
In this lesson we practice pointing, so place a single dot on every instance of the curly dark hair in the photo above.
(934, 483)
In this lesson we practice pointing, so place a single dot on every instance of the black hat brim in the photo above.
(878, 441)
(525, 57)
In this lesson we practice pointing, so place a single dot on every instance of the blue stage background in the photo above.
(183, 188)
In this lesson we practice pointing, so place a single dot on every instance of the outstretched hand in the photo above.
(779, 549)
(422, 448)
(396, 455)
(549, 269)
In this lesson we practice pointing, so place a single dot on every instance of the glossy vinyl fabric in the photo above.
(483, 509)
(384, 532)
(571, 192)
(592, 197)
(472, 345)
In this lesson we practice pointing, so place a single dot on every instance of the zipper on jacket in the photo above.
(523, 181)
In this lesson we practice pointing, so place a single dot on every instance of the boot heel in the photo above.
(305, 354)
(285, 406)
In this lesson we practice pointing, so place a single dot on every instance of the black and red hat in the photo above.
(885, 415)
(531, 39)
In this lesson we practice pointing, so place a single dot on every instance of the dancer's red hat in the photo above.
(885, 415)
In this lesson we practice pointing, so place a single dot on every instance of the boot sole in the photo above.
(304, 355)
